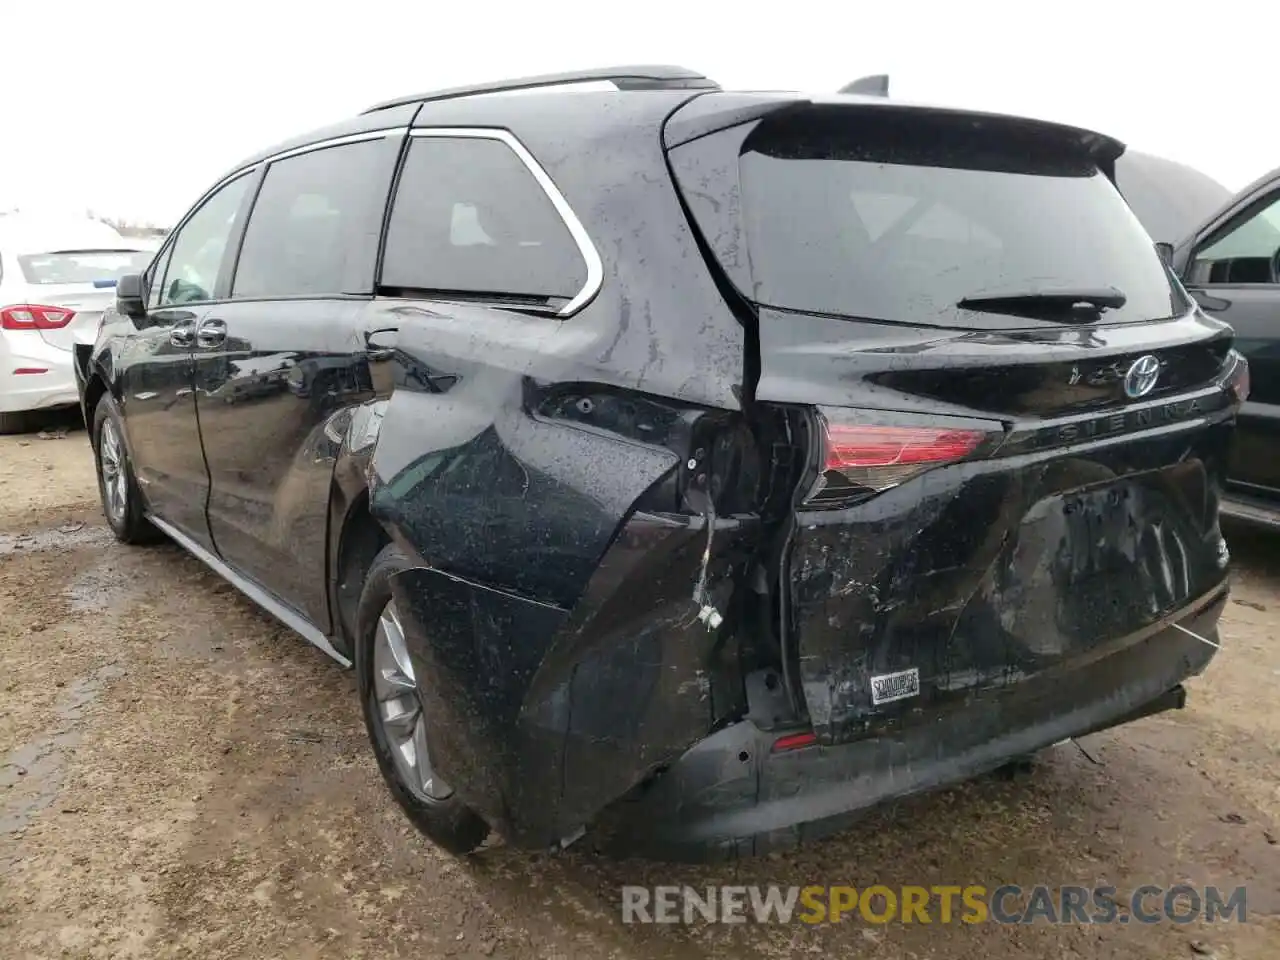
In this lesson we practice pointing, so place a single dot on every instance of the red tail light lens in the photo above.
(34, 316)
(868, 458)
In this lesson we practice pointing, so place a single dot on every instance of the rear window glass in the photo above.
(81, 266)
(873, 217)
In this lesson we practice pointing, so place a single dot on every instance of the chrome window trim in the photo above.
(590, 256)
(379, 134)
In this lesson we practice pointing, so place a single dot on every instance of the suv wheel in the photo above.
(121, 503)
(392, 707)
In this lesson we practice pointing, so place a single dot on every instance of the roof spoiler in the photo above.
(876, 85)
(624, 78)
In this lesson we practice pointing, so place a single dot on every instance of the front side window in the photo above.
(155, 277)
(470, 218)
(313, 222)
(1247, 253)
(196, 253)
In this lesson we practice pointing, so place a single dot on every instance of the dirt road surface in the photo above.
(183, 777)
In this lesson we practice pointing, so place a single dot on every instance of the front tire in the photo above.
(121, 502)
(392, 707)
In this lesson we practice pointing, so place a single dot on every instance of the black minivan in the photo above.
(690, 468)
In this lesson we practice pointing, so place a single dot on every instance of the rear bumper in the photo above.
(55, 387)
(731, 796)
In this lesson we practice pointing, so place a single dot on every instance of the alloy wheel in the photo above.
(399, 709)
(115, 484)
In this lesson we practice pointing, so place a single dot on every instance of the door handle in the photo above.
(211, 332)
(182, 334)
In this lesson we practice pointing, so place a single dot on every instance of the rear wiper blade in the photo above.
(1087, 302)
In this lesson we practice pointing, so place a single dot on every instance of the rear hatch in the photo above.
(78, 285)
(1013, 420)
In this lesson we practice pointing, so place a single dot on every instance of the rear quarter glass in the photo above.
(847, 213)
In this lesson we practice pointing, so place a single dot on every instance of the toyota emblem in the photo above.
(1142, 376)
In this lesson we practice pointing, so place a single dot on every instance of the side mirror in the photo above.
(131, 298)
(1165, 250)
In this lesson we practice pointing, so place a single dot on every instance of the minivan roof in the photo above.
(683, 102)
(648, 77)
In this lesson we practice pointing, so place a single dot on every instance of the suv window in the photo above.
(314, 223)
(1248, 253)
(196, 253)
(892, 217)
(155, 277)
(469, 217)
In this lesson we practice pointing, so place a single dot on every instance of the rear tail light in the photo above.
(863, 459)
(34, 316)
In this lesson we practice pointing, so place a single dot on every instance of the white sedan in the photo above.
(56, 277)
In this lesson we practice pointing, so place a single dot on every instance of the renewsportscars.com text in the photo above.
(973, 903)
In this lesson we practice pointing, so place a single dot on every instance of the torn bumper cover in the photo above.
(733, 795)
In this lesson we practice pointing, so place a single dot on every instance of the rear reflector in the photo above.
(869, 458)
(795, 741)
(1237, 381)
(24, 370)
(34, 316)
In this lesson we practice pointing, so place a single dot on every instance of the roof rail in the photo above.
(876, 85)
(626, 78)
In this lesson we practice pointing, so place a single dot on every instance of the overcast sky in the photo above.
(134, 107)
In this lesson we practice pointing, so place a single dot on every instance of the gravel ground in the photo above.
(183, 777)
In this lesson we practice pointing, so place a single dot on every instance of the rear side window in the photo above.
(887, 217)
(469, 217)
(313, 228)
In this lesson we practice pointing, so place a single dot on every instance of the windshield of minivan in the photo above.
(82, 266)
(899, 221)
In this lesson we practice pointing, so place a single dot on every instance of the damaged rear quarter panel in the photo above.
(553, 626)
(552, 629)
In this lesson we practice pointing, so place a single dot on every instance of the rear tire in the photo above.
(19, 422)
(389, 697)
(117, 486)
